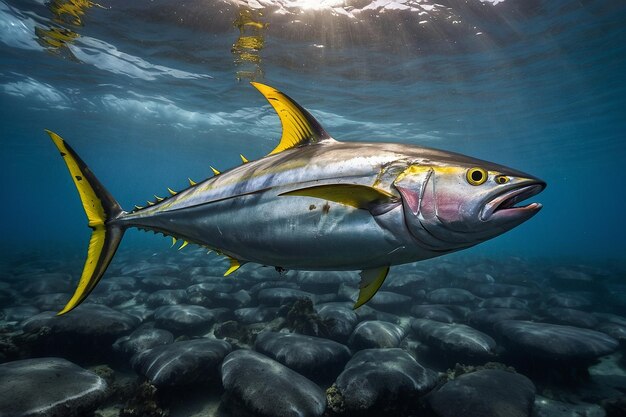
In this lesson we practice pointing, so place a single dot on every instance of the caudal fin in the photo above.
(100, 208)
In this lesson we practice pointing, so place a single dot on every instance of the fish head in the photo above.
(453, 204)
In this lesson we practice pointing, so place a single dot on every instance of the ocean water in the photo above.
(151, 93)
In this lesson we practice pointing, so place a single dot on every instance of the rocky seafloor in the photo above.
(167, 335)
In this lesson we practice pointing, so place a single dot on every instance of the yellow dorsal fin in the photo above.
(172, 192)
(354, 195)
(299, 126)
(234, 265)
(191, 182)
(243, 159)
(215, 171)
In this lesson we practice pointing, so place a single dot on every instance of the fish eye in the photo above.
(502, 179)
(476, 176)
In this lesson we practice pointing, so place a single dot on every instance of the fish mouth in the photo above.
(504, 204)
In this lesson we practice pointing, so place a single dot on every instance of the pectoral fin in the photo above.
(353, 195)
(371, 280)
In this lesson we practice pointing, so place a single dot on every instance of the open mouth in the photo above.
(506, 203)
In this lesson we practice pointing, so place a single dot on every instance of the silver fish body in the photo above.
(316, 203)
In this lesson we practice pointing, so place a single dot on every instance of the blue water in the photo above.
(150, 94)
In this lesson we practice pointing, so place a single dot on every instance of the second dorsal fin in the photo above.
(299, 126)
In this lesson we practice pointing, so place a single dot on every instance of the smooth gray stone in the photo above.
(545, 407)
(485, 393)
(166, 297)
(49, 283)
(324, 282)
(376, 334)
(504, 302)
(405, 283)
(48, 387)
(140, 311)
(184, 318)
(440, 313)
(571, 317)
(250, 315)
(54, 301)
(503, 290)
(85, 320)
(267, 388)
(570, 300)
(381, 377)
(161, 282)
(110, 284)
(19, 313)
(209, 288)
(342, 319)
(457, 339)
(142, 339)
(450, 296)
(182, 363)
(313, 357)
(391, 302)
(113, 298)
(233, 300)
(276, 297)
(485, 318)
(554, 341)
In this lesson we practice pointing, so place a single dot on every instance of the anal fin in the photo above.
(371, 280)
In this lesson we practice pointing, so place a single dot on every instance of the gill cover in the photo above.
(100, 207)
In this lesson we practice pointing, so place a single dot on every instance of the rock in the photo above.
(408, 284)
(48, 387)
(142, 339)
(504, 302)
(301, 317)
(313, 357)
(184, 318)
(20, 313)
(376, 334)
(252, 315)
(380, 379)
(616, 331)
(485, 393)
(54, 302)
(324, 282)
(457, 340)
(166, 297)
(570, 317)
(545, 407)
(49, 283)
(182, 363)
(276, 297)
(110, 284)
(341, 319)
(267, 388)
(140, 311)
(85, 334)
(391, 302)
(231, 301)
(553, 341)
(485, 318)
(504, 290)
(209, 288)
(570, 300)
(114, 298)
(443, 314)
(161, 282)
(450, 296)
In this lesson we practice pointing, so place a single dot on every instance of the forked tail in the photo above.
(100, 208)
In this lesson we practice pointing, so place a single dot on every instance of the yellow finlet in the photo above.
(185, 243)
(371, 280)
(354, 195)
(150, 203)
(234, 265)
(299, 126)
(243, 159)
(215, 171)
(191, 182)
(159, 199)
(138, 207)
(174, 240)
(172, 192)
